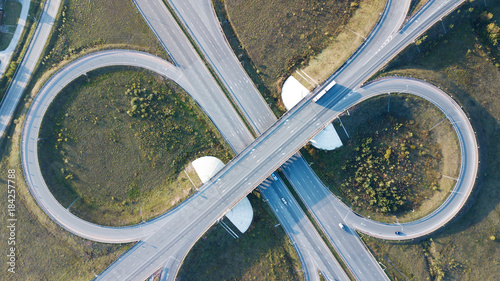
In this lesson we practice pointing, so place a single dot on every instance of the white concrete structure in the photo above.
(206, 167)
(328, 139)
(240, 215)
(293, 92)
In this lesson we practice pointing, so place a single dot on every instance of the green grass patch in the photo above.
(44, 250)
(393, 163)
(120, 142)
(463, 64)
(12, 12)
(264, 252)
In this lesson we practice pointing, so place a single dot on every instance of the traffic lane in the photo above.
(220, 112)
(163, 25)
(301, 231)
(290, 227)
(389, 22)
(200, 19)
(399, 41)
(28, 63)
(206, 91)
(320, 202)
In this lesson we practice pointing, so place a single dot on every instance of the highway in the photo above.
(198, 16)
(28, 64)
(272, 149)
(200, 21)
(313, 252)
(206, 92)
(323, 206)
(241, 89)
(137, 232)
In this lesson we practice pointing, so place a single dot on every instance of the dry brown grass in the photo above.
(343, 45)
(44, 250)
(279, 35)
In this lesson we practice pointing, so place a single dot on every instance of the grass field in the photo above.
(279, 36)
(120, 142)
(44, 251)
(342, 46)
(264, 252)
(391, 164)
(97, 23)
(12, 12)
(464, 64)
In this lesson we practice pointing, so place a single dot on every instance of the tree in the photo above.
(493, 33)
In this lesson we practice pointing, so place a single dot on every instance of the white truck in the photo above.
(323, 92)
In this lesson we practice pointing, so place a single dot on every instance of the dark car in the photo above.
(398, 233)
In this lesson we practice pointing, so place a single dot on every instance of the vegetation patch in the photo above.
(97, 23)
(387, 165)
(342, 46)
(393, 161)
(44, 251)
(463, 63)
(118, 143)
(278, 36)
(264, 252)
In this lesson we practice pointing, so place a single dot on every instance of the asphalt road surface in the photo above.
(198, 16)
(207, 92)
(28, 64)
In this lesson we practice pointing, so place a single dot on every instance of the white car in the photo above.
(342, 226)
(274, 177)
(284, 201)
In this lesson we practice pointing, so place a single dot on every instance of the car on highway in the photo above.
(284, 201)
(398, 233)
(342, 226)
